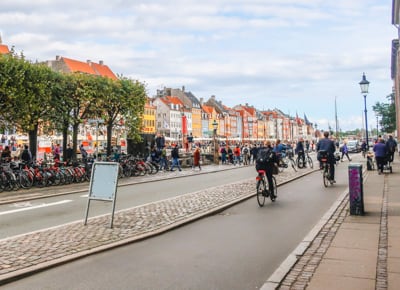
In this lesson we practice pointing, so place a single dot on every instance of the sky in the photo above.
(297, 56)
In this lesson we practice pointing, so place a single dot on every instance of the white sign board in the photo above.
(103, 184)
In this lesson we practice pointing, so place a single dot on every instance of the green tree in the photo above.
(27, 95)
(387, 112)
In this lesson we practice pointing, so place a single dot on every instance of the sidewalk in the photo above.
(352, 252)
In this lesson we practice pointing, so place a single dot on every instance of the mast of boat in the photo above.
(336, 121)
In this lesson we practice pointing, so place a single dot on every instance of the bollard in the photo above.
(356, 189)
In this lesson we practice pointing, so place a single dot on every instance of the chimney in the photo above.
(183, 88)
(101, 62)
(88, 61)
(201, 101)
(57, 57)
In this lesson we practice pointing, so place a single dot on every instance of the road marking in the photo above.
(35, 207)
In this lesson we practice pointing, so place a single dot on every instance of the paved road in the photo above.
(209, 232)
(57, 210)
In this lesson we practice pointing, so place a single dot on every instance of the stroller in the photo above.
(387, 167)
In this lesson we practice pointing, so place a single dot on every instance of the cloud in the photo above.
(293, 55)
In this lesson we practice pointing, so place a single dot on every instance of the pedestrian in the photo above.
(253, 153)
(6, 154)
(391, 145)
(380, 151)
(237, 153)
(69, 153)
(196, 158)
(18, 152)
(175, 158)
(163, 159)
(246, 155)
(223, 155)
(327, 145)
(83, 152)
(26, 155)
(160, 141)
(345, 151)
(56, 152)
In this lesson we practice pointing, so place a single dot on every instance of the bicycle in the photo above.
(286, 161)
(309, 160)
(263, 190)
(301, 159)
(325, 167)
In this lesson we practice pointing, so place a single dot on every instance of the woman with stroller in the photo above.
(380, 151)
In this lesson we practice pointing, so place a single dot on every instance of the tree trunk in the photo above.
(65, 140)
(109, 135)
(75, 128)
(33, 141)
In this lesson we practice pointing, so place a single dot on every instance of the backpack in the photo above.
(264, 156)
(245, 150)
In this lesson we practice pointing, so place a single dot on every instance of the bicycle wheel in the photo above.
(310, 162)
(293, 164)
(24, 180)
(325, 176)
(300, 162)
(261, 188)
(274, 195)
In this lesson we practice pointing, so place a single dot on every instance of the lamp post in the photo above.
(215, 126)
(364, 84)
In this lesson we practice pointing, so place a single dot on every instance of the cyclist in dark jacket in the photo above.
(328, 145)
(267, 165)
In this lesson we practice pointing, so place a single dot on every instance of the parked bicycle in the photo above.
(263, 191)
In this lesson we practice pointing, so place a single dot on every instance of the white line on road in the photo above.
(35, 207)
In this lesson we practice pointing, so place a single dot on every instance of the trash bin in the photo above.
(356, 189)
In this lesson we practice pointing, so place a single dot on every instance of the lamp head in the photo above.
(364, 84)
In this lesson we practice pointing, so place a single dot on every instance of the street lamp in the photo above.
(216, 157)
(364, 84)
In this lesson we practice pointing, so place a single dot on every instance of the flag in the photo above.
(166, 126)
(298, 120)
(306, 120)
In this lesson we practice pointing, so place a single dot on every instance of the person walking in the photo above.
(69, 153)
(223, 155)
(328, 145)
(391, 145)
(345, 151)
(196, 158)
(163, 159)
(236, 153)
(246, 155)
(175, 158)
(26, 155)
(6, 154)
(380, 151)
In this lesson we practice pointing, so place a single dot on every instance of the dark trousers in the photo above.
(380, 162)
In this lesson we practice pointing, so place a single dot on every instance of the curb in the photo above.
(286, 266)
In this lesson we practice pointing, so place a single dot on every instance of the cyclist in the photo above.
(300, 151)
(279, 150)
(328, 145)
(265, 160)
